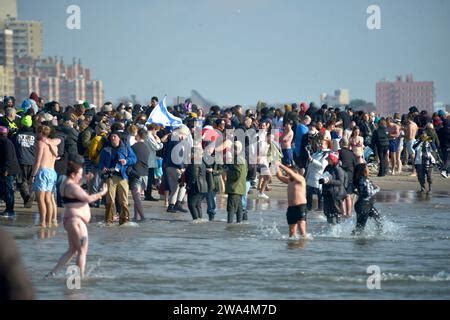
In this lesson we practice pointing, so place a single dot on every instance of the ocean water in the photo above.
(170, 257)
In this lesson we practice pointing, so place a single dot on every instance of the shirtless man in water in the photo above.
(296, 213)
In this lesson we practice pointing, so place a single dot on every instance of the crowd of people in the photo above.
(112, 151)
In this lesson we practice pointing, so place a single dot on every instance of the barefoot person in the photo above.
(296, 213)
(44, 175)
(76, 216)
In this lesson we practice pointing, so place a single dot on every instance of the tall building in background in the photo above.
(400, 95)
(28, 37)
(6, 63)
(54, 80)
(23, 70)
(8, 9)
(341, 98)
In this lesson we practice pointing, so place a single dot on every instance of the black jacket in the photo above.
(348, 160)
(61, 163)
(71, 139)
(25, 142)
(443, 134)
(8, 158)
(380, 137)
(336, 186)
(196, 178)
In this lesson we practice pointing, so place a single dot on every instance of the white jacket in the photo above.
(154, 146)
(420, 149)
(315, 169)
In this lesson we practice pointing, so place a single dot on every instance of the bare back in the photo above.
(47, 153)
(411, 131)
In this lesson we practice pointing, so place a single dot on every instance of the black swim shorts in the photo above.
(295, 214)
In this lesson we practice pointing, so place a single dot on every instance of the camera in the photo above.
(108, 173)
(325, 178)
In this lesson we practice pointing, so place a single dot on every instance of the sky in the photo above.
(242, 51)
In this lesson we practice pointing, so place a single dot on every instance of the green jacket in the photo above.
(236, 177)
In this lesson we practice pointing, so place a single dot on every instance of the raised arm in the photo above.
(297, 177)
(282, 177)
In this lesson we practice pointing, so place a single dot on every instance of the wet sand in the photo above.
(403, 182)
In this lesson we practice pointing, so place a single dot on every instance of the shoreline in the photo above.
(403, 182)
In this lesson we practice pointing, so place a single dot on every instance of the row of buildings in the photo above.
(24, 70)
(392, 96)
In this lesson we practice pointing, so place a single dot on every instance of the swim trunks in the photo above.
(288, 157)
(295, 214)
(45, 180)
(394, 144)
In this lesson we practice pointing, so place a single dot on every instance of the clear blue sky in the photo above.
(241, 51)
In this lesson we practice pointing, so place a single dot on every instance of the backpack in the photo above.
(94, 154)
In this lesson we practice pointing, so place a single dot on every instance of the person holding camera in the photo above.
(115, 160)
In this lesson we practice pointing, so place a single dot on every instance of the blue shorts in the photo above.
(393, 145)
(409, 146)
(288, 157)
(45, 180)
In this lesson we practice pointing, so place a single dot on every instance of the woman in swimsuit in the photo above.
(357, 144)
(76, 215)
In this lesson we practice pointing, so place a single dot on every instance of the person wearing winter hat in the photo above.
(34, 96)
(107, 107)
(333, 190)
(25, 142)
(26, 121)
(29, 104)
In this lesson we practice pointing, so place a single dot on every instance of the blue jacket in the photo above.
(300, 131)
(109, 158)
